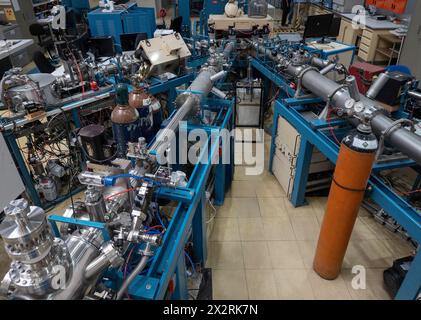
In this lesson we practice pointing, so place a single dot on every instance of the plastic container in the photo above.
(258, 9)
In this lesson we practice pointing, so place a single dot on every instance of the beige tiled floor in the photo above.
(263, 248)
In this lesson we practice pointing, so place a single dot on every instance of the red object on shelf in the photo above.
(364, 73)
(94, 86)
(396, 6)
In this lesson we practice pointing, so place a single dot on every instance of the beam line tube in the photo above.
(402, 139)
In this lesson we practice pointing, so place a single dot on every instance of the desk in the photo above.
(11, 47)
(367, 37)
(343, 53)
(12, 52)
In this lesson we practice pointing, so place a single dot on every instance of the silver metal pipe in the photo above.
(415, 94)
(405, 141)
(140, 266)
(401, 138)
(200, 87)
(353, 87)
(220, 94)
(228, 49)
(97, 266)
(218, 76)
(327, 69)
(377, 86)
(167, 133)
(320, 63)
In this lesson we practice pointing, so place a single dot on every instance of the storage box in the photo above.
(364, 73)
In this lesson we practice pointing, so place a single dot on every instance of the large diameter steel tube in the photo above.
(200, 87)
(138, 269)
(172, 126)
(403, 139)
(228, 49)
(353, 168)
(203, 84)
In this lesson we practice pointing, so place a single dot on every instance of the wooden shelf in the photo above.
(388, 52)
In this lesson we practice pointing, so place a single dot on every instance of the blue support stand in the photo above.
(410, 287)
(199, 233)
(302, 171)
(180, 292)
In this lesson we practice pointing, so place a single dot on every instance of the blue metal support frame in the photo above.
(393, 204)
(302, 171)
(314, 133)
(188, 220)
(10, 136)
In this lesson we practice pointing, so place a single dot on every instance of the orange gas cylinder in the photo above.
(353, 168)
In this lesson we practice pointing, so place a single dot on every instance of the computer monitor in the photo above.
(335, 27)
(129, 41)
(102, 46)
(176, 24)
(318, 26)
(5, 65)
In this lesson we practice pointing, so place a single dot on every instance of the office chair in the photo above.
(176, 24)
(400, 68)
(43, 64)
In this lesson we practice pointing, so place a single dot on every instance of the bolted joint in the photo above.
(112, 254)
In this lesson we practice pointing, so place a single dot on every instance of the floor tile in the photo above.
(398, 248)
(261, 285)
(303, 211)
(256, 255)
(251, 229)
(277, 229)
(328, 289)
(362, 232)
(269, 188)
(307, 251)
(240, 174)
(374, 285)
(225, 229)
(243, 189)
(368, 253)
(240, 207)
(273, 207)
(225, 255)
(229, 285)
(305, 228)
(285, 255)
(293, 284)
(380, 231)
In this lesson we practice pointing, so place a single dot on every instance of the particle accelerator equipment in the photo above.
(373, 140)
(126, 240)
(118, 242)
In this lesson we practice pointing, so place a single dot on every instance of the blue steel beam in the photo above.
(53, 219)
(166, 261)
(394, 205)
(276, 79)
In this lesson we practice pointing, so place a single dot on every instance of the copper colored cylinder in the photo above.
(136, 98)
(352, 172)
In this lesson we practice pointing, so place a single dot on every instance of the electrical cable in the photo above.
(191, 261)
(119, 193)
(331, 129)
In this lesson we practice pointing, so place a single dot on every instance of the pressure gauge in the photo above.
(358, 107)
(349, 104)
